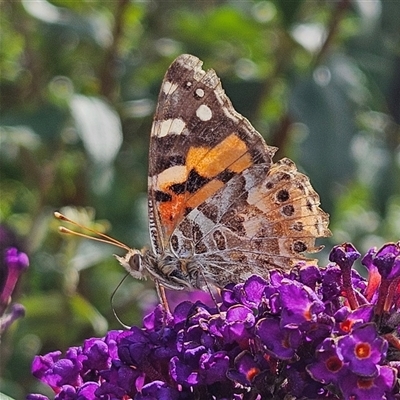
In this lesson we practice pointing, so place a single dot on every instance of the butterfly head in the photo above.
(132, 262)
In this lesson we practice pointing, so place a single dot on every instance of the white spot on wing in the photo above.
(169, 87)
(204, 113)
(168, 127)
(175, 174)
(199, 92)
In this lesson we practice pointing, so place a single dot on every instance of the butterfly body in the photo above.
(220, 210)
(169, 270)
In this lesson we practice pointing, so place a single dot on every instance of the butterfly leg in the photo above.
(162, 296)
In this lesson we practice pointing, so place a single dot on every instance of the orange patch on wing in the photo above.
(170, 211)
(231, 153)
(227, 154)
(204, 193)
(243, 163)
(195, 155)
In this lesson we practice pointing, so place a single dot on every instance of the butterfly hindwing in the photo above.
(261, 219)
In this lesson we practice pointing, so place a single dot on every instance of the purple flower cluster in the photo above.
(309, 334)
(12, 264)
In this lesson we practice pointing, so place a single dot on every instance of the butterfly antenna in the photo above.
(102, 237)
(112, 302)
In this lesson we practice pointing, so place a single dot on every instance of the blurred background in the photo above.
(78, 86)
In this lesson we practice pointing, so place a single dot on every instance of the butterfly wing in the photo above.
(264, 218)
(198, 144)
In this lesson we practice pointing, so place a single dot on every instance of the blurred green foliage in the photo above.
(79, 82)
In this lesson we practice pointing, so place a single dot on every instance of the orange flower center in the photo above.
(345, 326)
(333, 364)
(252, 373)
(362, 350)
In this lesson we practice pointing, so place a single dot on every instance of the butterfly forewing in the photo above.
(198, 143)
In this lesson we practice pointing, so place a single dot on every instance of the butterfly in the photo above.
(220, 210)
